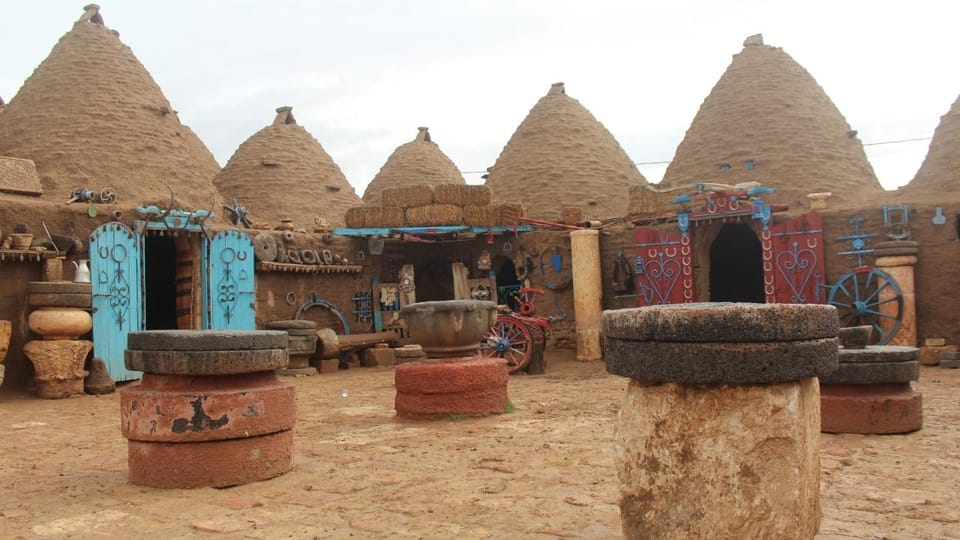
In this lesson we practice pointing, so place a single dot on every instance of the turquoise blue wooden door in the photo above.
(115, 275)
(229, 281)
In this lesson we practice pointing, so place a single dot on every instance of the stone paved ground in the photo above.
(544, 471)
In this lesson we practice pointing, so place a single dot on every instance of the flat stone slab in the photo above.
(206, 340)
(170, 408)
(879, 353)
(206, 362)
(56, 287)
(291, 324)
(722, 322)
(873, 373)
(77, 300)
(721, 363)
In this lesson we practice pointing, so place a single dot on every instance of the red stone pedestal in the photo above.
(436, 389)
(870, 408)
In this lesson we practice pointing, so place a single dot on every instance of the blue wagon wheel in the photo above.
(509, 339)
(868, 296)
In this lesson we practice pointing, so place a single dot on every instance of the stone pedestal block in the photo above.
(437, 389)
(719, 461)
(901, 270)
(58, 366)
(930, 355)
(870, 408)
(377, 356)
(587, 292)
(98, 380)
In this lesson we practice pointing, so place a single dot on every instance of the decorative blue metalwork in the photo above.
(662, 274)
(363, 299)
(227, 288)
(115, 265)
(229, 263)
(858, 240)
(797, 268)
(683, 221)
(896, 222)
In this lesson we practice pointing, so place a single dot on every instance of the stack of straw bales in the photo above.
(423, 205)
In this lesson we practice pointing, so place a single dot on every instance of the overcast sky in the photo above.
(362, 75)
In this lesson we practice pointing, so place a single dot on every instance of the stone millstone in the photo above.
(879, 353)
(722, 322)
(58, 287)
(231, 462)
(873, 373)
(439, 389)
(99, 380)
(896, 252)
(730, 462)
(180, 409)
(877, 409)
(896, 244)
(720, 363)
(206, 340)
(76, 300)
(302, 344)
(206, 362)
(292, 324)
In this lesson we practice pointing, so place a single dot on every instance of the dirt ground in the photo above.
(545, 470)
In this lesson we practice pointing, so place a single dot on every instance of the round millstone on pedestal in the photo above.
(436, 389)
(207, 413)
(301, 345)
(745, 376)
(870, 392)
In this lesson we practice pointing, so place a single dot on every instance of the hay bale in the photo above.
(461, 195)
(407, 197)
(434, 214)
(366, 217)
(509, 214)
(647, 201)
(480, 216)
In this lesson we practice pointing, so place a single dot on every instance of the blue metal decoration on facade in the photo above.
(858, 240)
(662, 275)
(363, 299)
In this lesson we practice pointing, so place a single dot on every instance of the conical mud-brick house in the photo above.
(419, 161)
(91, 116)
(559, 156)
(939, 175)
(767, 120)
(282, 172)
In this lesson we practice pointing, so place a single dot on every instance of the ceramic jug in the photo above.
(82, 271)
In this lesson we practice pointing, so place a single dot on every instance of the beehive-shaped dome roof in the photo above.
(282, 172)
(939, 175)
(419, 161)
(767, 120)
(91, 116)
(560, 155)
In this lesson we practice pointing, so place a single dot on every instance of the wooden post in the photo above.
(587, 292)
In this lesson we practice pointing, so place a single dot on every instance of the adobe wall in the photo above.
(13, 301)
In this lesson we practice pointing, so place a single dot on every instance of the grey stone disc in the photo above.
(291, 324)
(896, 244)
(265, 247)
(227, 362)
(874, 373)
(302, 344)
(896, 251)
(722, 322)
(206, 340)
(60, 300)
(720, 363)
(873, 354)
(56, 287)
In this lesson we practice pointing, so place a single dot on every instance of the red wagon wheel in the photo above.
(509, 339)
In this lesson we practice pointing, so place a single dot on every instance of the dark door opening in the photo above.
(433, 279)
(159, 282)
(507, 281)
(736, 265)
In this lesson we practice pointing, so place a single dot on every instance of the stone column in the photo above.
(900, 269)
(587, 292)
(718, 436)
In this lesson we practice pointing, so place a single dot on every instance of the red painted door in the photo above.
(793, 270)
(663, 271)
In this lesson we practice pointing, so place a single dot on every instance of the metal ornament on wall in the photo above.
(483, 261)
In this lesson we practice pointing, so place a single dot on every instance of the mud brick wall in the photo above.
(13, 307)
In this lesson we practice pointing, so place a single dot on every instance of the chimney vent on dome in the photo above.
(284, 116)
(91, 13)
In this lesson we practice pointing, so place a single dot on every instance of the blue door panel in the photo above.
(229, 280)
(115, 268)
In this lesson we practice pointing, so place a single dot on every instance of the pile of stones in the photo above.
(209, 411)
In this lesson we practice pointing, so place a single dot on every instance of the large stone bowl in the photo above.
(449, 328)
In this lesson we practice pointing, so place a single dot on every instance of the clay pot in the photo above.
(53, 323)
(6, 329)
(449, 328)
(21, 241)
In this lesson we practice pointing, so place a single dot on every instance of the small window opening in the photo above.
(725, 168)
(749, 165)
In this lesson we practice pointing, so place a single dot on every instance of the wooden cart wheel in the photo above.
(509, 339)
(869, 296)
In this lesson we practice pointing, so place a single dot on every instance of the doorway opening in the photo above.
(507, 281)
(736, 265)
(159, 282)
